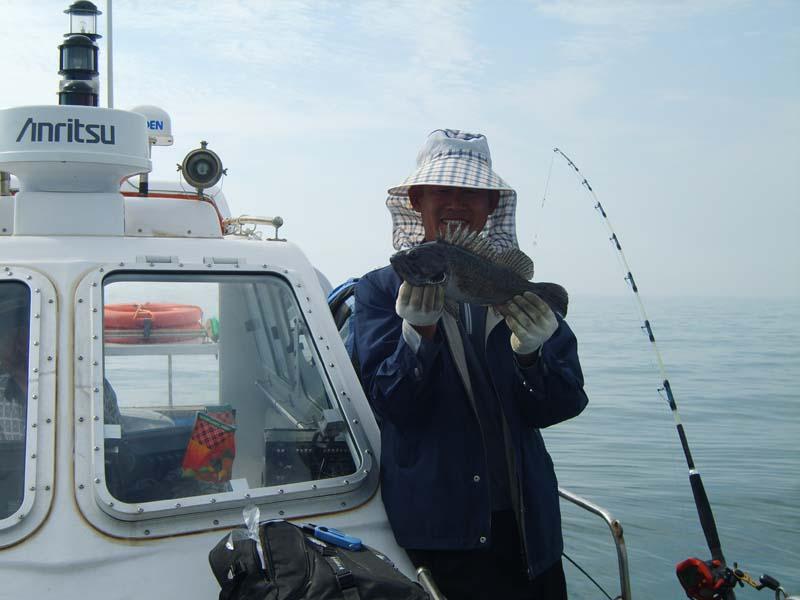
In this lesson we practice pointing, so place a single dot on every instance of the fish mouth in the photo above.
(438, 280)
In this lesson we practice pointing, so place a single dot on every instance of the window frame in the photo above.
(187, 514)
(40, 423)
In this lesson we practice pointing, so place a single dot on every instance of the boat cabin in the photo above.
(171, 366)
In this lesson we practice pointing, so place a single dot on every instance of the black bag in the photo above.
(302, 567)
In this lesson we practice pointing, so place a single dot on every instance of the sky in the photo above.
(684, 116)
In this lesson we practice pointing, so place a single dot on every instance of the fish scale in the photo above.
(474, 272)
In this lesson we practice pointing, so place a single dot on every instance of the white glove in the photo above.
(421, 306)
(531, 322)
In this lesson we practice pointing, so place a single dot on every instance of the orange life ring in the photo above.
(152, 323)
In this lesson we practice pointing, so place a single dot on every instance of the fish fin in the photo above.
(471, 241)
(446, 236)
(553, 294)
(479, 244)
(517, 261)
(462, 235)
(452, 234)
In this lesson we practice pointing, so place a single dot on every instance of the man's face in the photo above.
(443, 206)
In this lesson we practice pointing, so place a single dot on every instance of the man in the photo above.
(461, 391)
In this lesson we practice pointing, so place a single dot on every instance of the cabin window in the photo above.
(14, 344)
(213, 384)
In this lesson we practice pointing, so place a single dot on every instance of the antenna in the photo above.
(159, 133)
(109, 57)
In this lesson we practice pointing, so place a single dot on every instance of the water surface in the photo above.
(733, 365)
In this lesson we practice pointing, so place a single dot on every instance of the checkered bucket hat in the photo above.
(453, 158)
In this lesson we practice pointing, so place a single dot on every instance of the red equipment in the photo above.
(705, 580)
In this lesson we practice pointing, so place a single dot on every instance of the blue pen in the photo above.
(333, 536)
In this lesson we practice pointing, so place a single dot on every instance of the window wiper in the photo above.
(260, 383)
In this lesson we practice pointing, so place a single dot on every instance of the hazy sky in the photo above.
(684, 116)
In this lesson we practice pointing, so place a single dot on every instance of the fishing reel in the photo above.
(711, 580)
(705, 580)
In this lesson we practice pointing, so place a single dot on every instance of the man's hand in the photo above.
(531, 322)
(420, 306)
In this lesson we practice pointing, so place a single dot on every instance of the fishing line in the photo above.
(547, 183)
(544, 197)
(581, 569)
(698, 490)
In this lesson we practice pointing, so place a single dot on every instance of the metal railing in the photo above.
(425, 578)
(616, 532)
(246, 225)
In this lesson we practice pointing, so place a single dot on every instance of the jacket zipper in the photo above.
(511, 465)
(462, 332)
(517, 480)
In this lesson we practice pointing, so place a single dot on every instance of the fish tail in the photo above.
(552, 293)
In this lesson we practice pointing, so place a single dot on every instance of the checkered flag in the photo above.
(211, 450)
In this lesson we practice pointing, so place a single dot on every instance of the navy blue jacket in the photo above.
(433, 465)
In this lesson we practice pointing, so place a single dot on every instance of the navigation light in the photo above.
(83, 19)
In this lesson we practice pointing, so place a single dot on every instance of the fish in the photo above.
(473, 272)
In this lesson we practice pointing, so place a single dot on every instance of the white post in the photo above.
(169, 378)
(109, 57)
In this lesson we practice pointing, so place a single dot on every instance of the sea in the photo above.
(733, 365)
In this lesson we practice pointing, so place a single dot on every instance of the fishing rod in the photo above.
(703, 580)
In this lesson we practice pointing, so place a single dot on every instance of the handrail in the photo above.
(425, 579)
(616, 531)
(238, 225)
